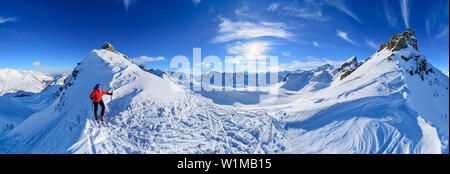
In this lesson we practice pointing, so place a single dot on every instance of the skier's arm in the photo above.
(105, 92)
(92, 94)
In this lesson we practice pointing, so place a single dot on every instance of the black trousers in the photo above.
(96, 108)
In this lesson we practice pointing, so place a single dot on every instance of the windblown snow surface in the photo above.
(379, 108)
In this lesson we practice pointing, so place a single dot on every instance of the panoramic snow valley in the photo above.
(395, 101)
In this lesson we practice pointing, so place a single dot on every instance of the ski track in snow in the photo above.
(191, 126)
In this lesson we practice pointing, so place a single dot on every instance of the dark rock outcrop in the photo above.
(401, 41)
(109, 47)
(348, 67)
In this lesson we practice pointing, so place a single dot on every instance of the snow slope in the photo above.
(387, 105)
(393, 102)
(12, 81)
(42, 131)
(16, 107)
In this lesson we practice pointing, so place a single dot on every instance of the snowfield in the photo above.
(12, 81)
(386, 104)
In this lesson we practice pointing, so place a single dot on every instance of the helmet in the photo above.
(97, 85)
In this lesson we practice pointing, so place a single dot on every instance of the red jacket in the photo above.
(97, 94)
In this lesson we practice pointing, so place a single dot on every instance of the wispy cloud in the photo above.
(274, 6)
(436, 21)
(339, 4)
(196, 2)
(242, 11)
(144, 59)
(389, 12)
(428, 23)
(310, 12)
(5, 20)
(443, 33)
(344, 36)
(36, 64)
(315, 44)
(287, 54)
(127, 3)
(371, 44)
(234, 30)
(405, 11)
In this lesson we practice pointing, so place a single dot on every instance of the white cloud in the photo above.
(315, 44)
(144, 59)
(344, 36)
(5, 20)
(371, 44)
(229, 30)
(339, 4)
(249, 50)
(250, 56)
(273, 6)
(428, 26)
(306, 13)
(405, 12)
(196, 2)
(242, 11)
(389, 12)
(287, 54)
(443, 33)
(127, 3)
(436, 20)
(36, 64)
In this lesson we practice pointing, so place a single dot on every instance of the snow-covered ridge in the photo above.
(68, 116)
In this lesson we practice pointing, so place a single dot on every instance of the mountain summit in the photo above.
(401, 41)
(109, 47)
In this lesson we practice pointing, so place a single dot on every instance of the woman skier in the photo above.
(96, 96)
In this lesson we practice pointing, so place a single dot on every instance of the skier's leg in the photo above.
(95, 110)
(103, 110)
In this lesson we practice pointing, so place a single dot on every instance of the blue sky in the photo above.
(53, 35)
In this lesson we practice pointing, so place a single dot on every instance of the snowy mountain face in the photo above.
(316, 78)
(17, 105)
(157, 72)
(393, 102)
(12, 81)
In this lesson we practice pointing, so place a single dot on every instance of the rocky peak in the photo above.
(351, 61)
(401, 41)
(349, 65)
(109, 47)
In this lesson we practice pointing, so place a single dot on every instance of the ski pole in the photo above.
(110, 100)
(112, 92)
(93, 109)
